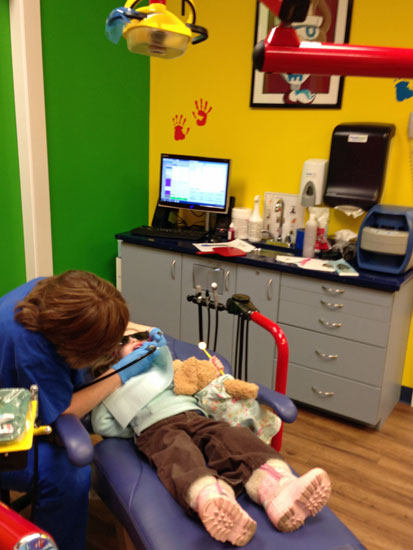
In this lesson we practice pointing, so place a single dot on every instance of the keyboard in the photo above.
(164, 233)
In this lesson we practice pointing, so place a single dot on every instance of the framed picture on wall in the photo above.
(326, 21)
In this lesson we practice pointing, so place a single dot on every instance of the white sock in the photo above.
(196, 487)
(257, 477)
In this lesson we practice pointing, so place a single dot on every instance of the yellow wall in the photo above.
(268, 146)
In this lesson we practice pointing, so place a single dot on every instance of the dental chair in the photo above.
(131, 489)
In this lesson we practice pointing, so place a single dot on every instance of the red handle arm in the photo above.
(282, 362)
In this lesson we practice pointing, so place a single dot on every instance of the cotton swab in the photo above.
(202, 346)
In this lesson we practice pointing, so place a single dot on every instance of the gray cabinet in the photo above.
(151, 285)
(346, 344)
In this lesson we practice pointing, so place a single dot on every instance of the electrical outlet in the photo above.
(410, 126)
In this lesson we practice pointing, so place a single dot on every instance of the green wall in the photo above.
(11, 229)
(97, 117)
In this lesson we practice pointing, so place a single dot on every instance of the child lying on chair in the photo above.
(203, 463)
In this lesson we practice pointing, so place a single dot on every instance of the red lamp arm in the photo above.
(285, 54)
(282, 52)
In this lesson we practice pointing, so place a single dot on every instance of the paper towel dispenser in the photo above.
(357, 165)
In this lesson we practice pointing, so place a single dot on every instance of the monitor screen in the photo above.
(196, 183)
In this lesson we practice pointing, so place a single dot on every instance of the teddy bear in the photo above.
(222, 397)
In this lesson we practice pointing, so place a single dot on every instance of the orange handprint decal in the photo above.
(179, 122)
(202, 112)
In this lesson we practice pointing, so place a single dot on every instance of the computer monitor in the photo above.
(194, 183)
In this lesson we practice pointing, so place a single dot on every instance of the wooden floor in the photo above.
(371, 473)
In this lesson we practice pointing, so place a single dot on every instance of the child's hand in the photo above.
(137, 368)
(157, 338)
(217, 364)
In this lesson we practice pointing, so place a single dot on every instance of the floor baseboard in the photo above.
(406, 395)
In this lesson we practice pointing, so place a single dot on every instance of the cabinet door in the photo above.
(262, 286)
(205, 271)
(151, 286)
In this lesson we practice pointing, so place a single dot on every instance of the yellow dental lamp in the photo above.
(153, 30)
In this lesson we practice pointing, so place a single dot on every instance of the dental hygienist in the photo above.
(50, 329)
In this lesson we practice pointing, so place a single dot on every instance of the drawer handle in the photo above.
(330, 325)
(322, 393)
(332, 290)
(226, 280)
(269, 290)
(326, 355)
(173, 269)
(330, 305)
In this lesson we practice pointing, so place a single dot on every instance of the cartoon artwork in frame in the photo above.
(326, 21)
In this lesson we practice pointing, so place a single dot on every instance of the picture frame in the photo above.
(327, 21)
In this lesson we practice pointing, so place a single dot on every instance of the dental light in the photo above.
(282, 51)
(153, 30)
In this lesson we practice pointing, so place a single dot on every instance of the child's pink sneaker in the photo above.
(289, 500)
(223, 517)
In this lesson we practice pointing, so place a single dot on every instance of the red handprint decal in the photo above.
(202, 112)
(179, 122)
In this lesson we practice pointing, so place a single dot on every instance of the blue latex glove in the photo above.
(157, 338)
(136, 368)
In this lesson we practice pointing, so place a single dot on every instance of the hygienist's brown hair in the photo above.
(83, 315)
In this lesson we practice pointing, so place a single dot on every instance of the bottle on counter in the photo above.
(231, 232)
(310, 236)
(240, 217)
(255, 222)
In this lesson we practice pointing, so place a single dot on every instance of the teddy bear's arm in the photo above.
(240, 389)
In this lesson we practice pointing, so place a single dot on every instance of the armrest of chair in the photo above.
(75, 438)
(279, 403)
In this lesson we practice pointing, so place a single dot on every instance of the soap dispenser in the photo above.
(255, 222)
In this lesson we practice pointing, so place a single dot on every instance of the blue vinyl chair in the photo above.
(130, 488)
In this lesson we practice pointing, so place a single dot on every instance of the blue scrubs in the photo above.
(27, 358)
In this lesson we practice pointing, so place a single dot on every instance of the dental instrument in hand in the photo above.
(151, 349)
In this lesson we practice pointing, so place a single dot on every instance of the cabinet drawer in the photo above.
(334, 323)
(335, 305)
(331, 393)
(351, 360)
(339, 290)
